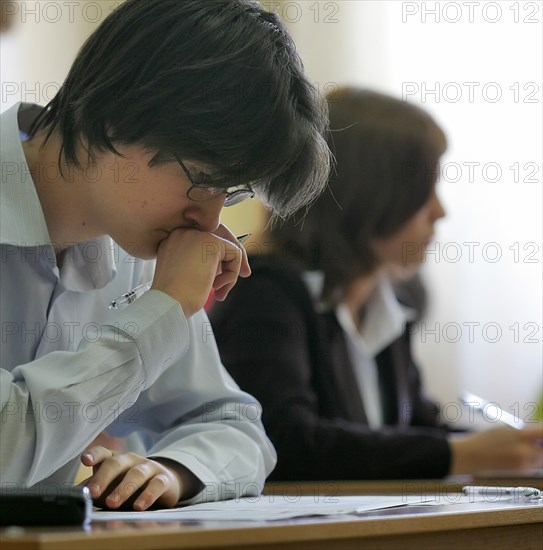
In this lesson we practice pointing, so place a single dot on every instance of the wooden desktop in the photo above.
(403, 487)
(448, 524)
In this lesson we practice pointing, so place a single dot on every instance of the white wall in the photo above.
(400, 48)
(36, 53)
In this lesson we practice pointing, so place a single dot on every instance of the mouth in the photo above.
(163, 234)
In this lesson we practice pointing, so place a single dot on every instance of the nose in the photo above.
(205, 215)
(437, 209)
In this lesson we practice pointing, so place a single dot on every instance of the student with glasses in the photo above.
(92, 189)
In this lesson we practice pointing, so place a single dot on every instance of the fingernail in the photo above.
(89, 457)
(94, 490)
(140, 504)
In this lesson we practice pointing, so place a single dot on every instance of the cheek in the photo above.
(419, 227)
(157, 201)
(390, 250)
(403, 249)
(407, 246)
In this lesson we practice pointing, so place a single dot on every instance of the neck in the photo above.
(63, 196)
(358, 292)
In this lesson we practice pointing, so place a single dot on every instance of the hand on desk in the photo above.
(135, 481)
(500, 448)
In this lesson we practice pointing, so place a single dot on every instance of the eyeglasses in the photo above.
(200, 193)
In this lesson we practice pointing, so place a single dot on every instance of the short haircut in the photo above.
(215, 82)
(387, 153)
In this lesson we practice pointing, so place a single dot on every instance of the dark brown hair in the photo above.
(387, 154)
(216, 82)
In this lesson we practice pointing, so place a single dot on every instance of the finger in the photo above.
(224, 233)
(95, 454)
(223, 280)
(230, 264)
(110, 469)
(532, 433)
(84, 482)
(123, 489)
(221, 295)
(245, 268)
(223, 285)
(532, 458)
(154, 490)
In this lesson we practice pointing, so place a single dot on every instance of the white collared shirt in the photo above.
(71, 367)
(384, 322)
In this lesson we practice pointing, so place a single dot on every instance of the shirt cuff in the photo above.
(157, 324)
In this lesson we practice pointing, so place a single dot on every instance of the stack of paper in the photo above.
(269, 508)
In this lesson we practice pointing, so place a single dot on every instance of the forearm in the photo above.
(53, 407)
(336, 449)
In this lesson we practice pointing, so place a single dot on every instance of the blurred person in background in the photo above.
(320, 335)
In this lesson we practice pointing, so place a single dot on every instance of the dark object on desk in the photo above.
(50, 506)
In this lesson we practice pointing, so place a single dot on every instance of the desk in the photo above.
(387, 487)
(498, 525)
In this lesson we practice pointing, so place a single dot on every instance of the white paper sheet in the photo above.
(268, 508)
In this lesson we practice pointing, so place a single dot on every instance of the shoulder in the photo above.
(272, 273)
(271, 285)
(278, 271)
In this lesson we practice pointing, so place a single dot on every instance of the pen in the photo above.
(131, 296)
(490, 411)
(526, 492)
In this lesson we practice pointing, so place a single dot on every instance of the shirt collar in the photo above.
(87, 265)
(314, 281)
(384, 319)
(22, 222)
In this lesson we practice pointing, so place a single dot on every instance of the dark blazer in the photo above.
(296, 363)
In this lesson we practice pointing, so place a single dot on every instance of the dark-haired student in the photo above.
(171, 111)
(318, 333)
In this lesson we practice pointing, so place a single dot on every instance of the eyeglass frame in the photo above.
(232, 197)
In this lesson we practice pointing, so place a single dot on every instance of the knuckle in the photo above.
(161, 480)
(116, 460)
(140, 470)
